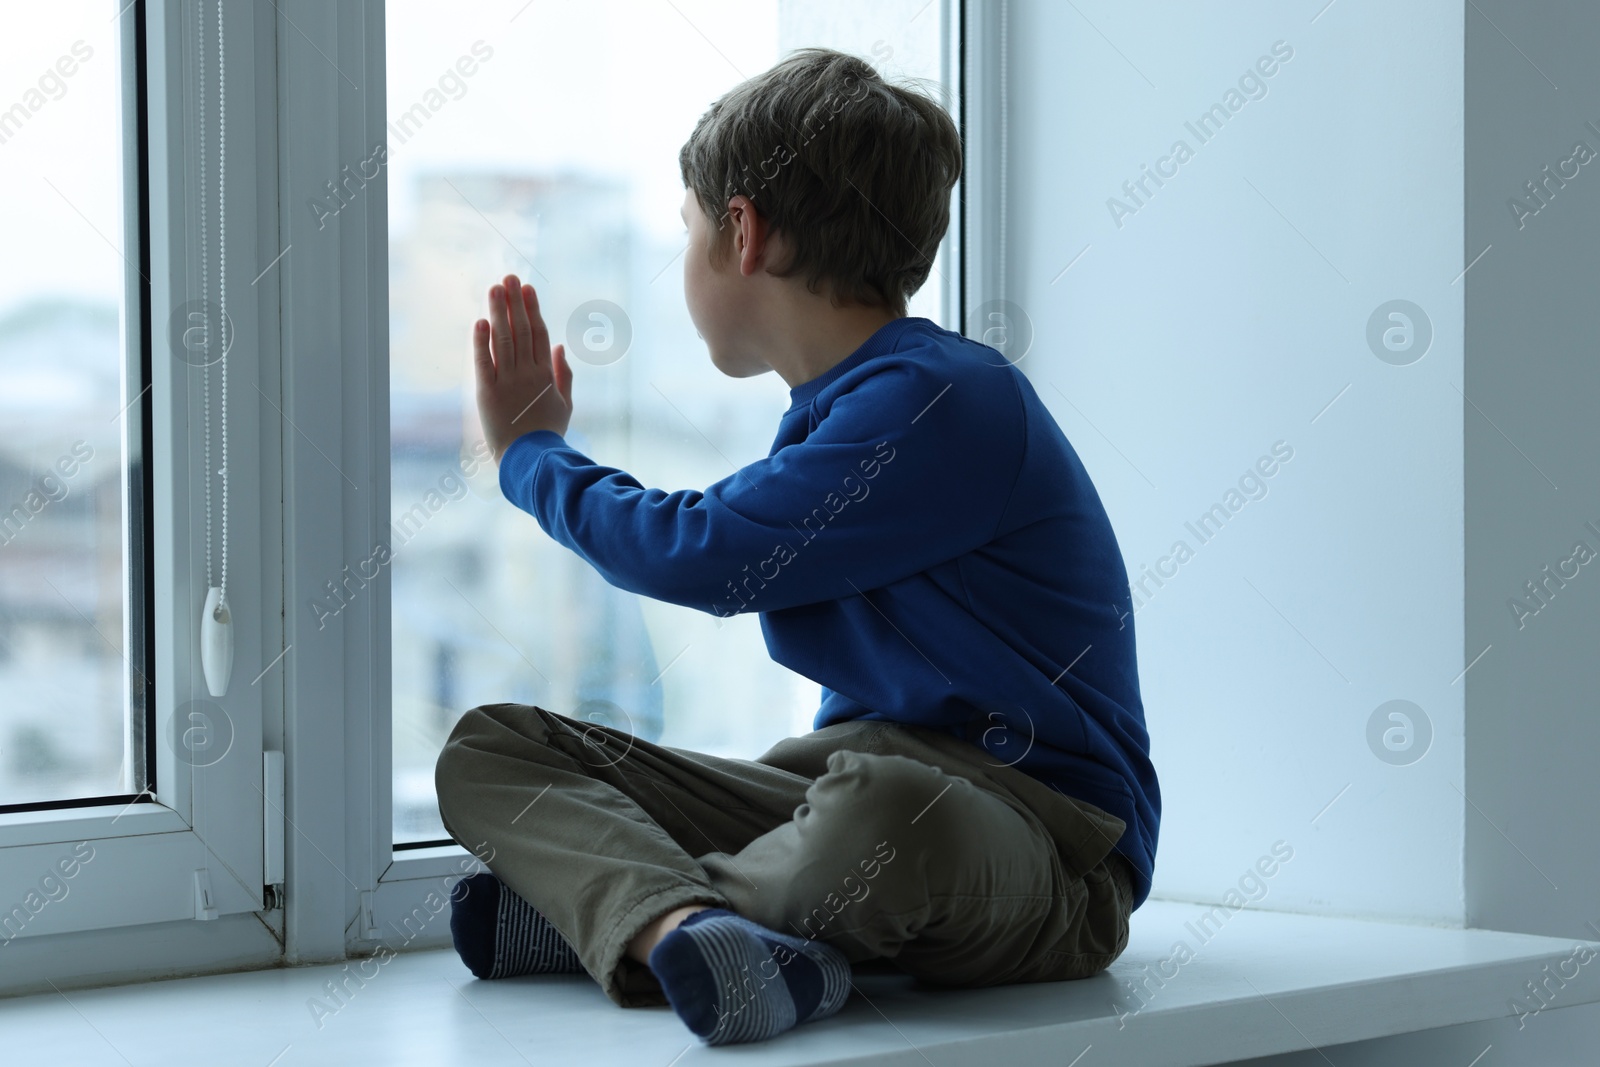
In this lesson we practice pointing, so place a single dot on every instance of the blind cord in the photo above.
(1005, 56)
(222, 280)
(221, 331)
(205, 280)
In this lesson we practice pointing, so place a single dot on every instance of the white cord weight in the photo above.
(216, 642)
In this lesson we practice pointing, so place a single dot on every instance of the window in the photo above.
(73, 672)
(261, 824)
(129, 794)
(581, 199)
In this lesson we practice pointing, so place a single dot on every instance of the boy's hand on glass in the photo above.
(523, 386)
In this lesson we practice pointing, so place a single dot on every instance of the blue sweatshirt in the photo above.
(922, 541)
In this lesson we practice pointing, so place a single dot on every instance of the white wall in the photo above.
(1223, 316)
(1212, 323)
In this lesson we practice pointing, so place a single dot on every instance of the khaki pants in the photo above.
(889, 842)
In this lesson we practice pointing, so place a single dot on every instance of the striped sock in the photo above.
(500, 935)
(732, 980)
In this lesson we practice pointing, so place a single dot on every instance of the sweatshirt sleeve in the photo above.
(904, 471)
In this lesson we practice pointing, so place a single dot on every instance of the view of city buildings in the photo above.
(64, 685)
(61, 570)
(487, 608)
(582, 203)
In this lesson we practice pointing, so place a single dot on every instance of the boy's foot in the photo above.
(731, 980)
(500, 935)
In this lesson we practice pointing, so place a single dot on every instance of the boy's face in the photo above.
(719, 298)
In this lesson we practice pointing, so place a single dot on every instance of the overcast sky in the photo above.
(71, 143)
(608, 86)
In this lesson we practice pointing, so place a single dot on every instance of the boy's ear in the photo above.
(750, 234)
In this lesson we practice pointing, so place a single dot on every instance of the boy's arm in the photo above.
(903, 473)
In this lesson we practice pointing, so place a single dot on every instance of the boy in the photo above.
(976, 805)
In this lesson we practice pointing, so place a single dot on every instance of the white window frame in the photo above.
(191, 854)
(335, 388)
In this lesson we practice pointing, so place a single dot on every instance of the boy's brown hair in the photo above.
(856, 173)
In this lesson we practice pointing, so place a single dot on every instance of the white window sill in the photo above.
(1266, 983)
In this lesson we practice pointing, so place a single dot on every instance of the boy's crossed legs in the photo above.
(880, 840)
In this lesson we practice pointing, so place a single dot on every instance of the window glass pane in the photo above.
(63, 679)
(543, 140)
